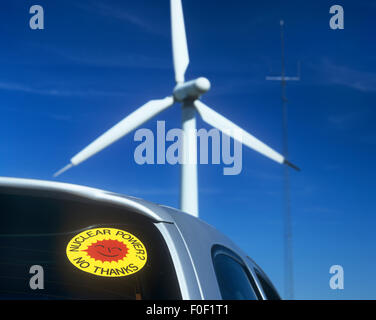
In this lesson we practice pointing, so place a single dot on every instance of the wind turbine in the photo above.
(187, 94)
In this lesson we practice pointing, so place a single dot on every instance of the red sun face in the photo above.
(107, 250)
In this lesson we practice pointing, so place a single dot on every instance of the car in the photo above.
(95, 244)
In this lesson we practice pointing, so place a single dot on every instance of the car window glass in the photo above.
(234, 280)
(127, 255)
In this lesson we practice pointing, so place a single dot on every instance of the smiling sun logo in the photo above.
(107, 252)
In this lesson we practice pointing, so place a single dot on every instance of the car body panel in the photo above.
(189, 239)
(143, 207)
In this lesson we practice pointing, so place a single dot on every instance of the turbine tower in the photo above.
(288, 254)
(187, 93)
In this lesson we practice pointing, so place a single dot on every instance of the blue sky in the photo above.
(96, 61)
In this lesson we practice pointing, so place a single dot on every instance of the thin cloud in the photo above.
(49, 115)
(109, 60)
(9, 86)
(349, 120)
(342, 75)
(100, 8)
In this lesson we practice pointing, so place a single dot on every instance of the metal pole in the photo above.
(288, 254)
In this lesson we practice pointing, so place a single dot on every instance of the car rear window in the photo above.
(87, 250)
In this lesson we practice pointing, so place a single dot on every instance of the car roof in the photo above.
(186, 223)
(146, 208)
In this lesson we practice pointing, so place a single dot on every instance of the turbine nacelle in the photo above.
(191, 90)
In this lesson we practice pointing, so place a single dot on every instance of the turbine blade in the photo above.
(131, 122)
(61, 171)
(218, 121)
(291, 165)
(179, 41)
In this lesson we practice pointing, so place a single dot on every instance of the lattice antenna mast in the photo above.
(288, 252)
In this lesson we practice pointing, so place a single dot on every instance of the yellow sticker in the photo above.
(107, 252)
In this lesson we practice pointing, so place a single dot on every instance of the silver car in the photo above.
(149, 251)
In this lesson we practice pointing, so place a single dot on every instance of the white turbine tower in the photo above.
(188, 94)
